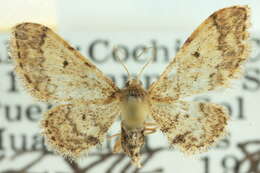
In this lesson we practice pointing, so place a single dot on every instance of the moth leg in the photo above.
(148, 129)
(117, 147)
(150, 124)
(115, 135)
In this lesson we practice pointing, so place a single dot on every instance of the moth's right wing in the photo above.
(54, 71)
(73, 129)
(210, 57)
(190, 126)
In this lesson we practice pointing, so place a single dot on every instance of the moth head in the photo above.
(134, 81)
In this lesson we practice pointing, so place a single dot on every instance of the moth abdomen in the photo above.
(132, 141)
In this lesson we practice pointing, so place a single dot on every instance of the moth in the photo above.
(89, 102)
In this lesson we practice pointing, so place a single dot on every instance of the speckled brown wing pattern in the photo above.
(191, 126)
(54, 71)
(73, 129)
(209, 58)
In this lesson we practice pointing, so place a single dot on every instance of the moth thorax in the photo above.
(134, 108)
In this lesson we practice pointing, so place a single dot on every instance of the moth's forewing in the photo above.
(54, 71)
(209, 58)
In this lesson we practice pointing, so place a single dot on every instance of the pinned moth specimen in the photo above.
(55, 72)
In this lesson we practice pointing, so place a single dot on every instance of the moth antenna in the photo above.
(115, 49)
(150, 60)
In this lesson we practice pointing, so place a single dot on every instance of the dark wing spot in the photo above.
(46, 123)
(83, 117)
(92, 140)
(71, 48)
(188, 40)
(21, 35)
(21, 65)
(45, 29)
(211, 75)
(88, 64)
(196, 54)
(65, 63)
(18, 53)
(180, 138)
(27, 78)
(42, 40)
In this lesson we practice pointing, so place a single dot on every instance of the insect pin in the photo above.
(54, 72)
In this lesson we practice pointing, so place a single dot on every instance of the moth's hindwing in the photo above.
(191, 126)
(73, 129)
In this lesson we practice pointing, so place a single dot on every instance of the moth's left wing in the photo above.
(209, 58)
(190, 126)
(54, 71)
(73, 129)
